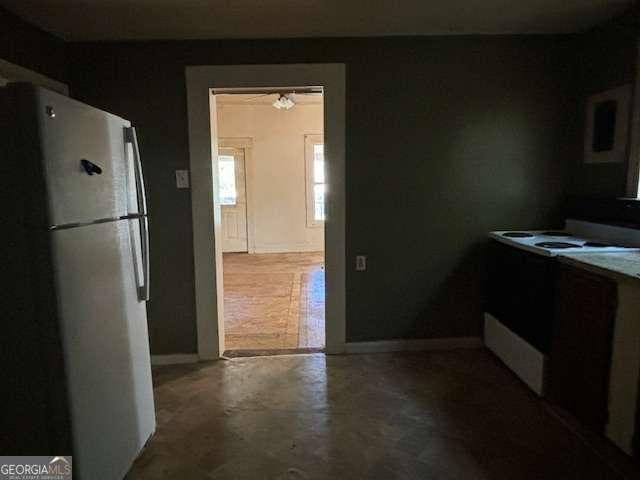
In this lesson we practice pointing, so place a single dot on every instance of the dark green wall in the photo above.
(27, 46)
(607, 59)
(447, 138)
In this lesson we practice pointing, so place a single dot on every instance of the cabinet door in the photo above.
(581, 347)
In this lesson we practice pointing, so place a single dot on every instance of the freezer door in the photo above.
(106, 349)
(83, 159)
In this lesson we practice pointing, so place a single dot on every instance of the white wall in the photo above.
(276, 171)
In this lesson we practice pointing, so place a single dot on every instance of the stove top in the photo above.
(558, 245)
(579, 237)
(598, 244)
(555, 233)
(517, 234)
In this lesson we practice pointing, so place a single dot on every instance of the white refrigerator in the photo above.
(76, 280)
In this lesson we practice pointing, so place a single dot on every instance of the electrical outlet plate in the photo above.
(361, 263)
(182, 178)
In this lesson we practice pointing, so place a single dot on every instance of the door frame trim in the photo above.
(200, 81)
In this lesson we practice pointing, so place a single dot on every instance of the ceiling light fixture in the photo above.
(284, 101)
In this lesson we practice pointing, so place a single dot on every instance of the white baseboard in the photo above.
(524, 360)
(411, 345)
(291, 248)
(174, 359)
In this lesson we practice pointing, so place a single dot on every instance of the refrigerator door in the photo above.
(106, 350)
(83, 156)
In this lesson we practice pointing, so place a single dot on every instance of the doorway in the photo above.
(208, 256)
(232, 192)
(271, 150)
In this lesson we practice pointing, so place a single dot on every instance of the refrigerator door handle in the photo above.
(143, 291)
(131, 137)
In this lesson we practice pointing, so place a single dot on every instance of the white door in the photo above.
(233, 199)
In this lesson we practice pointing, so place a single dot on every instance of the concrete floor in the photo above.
(274, 301)
(441, 415)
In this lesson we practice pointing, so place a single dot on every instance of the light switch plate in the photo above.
(182, 178)
(361, 263)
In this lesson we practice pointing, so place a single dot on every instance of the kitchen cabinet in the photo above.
(581, 348)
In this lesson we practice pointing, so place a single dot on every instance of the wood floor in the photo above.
(274, 301)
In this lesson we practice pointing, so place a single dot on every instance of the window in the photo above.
(316, 186)
(227, 179)
(318, 182)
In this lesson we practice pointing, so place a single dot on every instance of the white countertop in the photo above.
(625, 264)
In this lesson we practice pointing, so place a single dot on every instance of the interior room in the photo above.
(271, 193)
(321, 240)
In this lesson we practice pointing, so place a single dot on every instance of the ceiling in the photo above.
(199, 19)
(252, 99)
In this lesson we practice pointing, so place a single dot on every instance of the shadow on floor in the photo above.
(436, 415)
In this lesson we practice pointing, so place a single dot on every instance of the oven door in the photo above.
(520, 294)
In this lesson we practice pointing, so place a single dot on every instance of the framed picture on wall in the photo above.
(607, 126)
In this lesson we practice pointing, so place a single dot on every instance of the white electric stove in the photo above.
(577, 237)
(517, 343)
